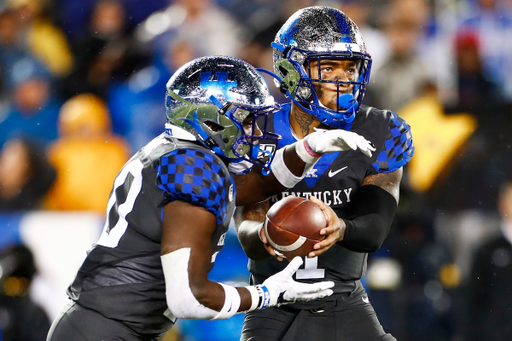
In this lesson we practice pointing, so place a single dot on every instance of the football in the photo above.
(293, 225)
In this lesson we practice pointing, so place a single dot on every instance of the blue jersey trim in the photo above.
(398, 147)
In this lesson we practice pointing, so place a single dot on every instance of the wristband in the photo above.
(255, 296)
(305, 153)
(232, 302)
(281, 171)
(265, 298)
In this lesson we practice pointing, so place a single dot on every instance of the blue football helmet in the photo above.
(224, 103)
(315, 34)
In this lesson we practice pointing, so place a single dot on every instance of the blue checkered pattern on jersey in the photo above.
(196, 177)
(398, 147)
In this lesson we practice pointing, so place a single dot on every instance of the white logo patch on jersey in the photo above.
(331, 173)
(312, 173)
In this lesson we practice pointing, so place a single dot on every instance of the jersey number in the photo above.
(112, 234)
(310, 270)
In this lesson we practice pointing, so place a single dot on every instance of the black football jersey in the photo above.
(334, 180)
(122, 277)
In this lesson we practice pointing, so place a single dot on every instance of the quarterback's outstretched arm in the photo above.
(291, 163)
(187, 259)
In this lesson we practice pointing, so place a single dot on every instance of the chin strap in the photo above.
(266, 168)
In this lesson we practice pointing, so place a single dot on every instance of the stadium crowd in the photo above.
(82, 87)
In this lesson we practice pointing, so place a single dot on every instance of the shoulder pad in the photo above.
(398, 146)
(196, 177)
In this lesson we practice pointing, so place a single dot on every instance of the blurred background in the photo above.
(82, 88)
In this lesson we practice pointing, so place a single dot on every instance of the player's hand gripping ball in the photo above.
(293, 225)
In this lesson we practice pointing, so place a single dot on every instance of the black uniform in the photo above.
(119, 291)
(334, 180)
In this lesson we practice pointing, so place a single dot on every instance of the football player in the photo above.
(170, 208)
(322, 65)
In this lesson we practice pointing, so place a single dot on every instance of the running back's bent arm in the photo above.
(249, 222)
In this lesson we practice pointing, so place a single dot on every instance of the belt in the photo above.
(319, 306)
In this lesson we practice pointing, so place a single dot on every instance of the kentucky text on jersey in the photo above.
(331, 198)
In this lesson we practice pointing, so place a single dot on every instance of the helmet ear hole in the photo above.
(214, 126)
(304, 93)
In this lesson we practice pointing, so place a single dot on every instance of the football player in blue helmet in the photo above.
(304, 48)
(321, 64)
(172, 203)
(218, 100)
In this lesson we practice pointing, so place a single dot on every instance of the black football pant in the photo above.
(346, 318)
(80, 324)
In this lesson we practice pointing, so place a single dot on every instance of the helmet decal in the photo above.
(217, 83)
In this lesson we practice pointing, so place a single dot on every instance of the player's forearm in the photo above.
(249, 222)
(249, 237)
(290, 164)
(255, 187)
(216, 296)
(190, 296)
(370, 217)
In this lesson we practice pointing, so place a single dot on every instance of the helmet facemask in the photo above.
(302, 80)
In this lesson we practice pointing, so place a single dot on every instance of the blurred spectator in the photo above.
(257, 50)
(87, 156)
(34, 110)
(25, 175)
(428, 279)
(439, 139)
(107, 54)
(8, 32)
(403, 76)
(489, 297)
(375, 40)
(20, 318)
(264, 24)
(35, 33)
(492, 20)
(202, 23)
(136, 105)
(16, 59)
(4, 97)
(475, 89)
(73, 16)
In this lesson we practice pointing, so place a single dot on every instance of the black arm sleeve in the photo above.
(371, 213)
